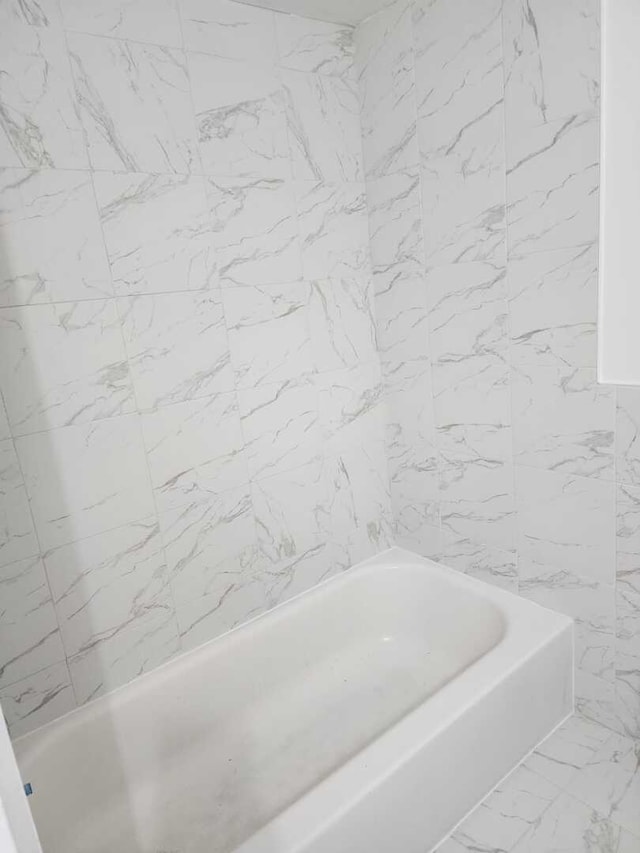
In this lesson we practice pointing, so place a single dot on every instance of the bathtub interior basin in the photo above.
(203, 753)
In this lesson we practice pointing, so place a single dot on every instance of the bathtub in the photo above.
(368, 714)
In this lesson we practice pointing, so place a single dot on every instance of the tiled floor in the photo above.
(578, 793)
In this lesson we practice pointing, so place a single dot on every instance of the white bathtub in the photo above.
(369, 714)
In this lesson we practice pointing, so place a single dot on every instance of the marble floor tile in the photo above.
(568, 750)
(610, 782)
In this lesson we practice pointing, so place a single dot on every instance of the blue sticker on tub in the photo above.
(28, 789)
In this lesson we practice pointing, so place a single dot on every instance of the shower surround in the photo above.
(192, 427)
(200, 412)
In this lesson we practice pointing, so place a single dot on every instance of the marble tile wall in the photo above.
(191, 411)
(506, 458)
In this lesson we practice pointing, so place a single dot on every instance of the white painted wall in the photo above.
(619, 290)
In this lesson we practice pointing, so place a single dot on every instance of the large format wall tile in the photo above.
(551, 58)
(36, 13)
(402, 317)
(324, 127)
(341, 322)
(39, 125)
(567, 521)
(38, 699)
(84, 480)
(29, 636)
(52, 248)
(194, 449)
(268, 333)
(240, 118)
(17, 536)
(319, 46)
(157, 232)
(552, 184)
(255, 232)
(553, 307)
(627, 697)
(384, 65)
(333, 229)
(177, 346)
(628, 436)
(134, 104)
(395, 226)
(5, 431)
(229, 30)
(563, 420)
(63, 364)
(155, 21)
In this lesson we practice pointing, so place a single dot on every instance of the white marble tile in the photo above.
(229, 30)
(563, 420)
(177, 346)
(552, 185)
(628, 610)
(417, 528)
(491, 565)
(157, 232)
(154, 21)
(35, 13)
(589, 602)
(323, 126)
(291, 511)
(610, 782)
(569, 826)
(281, 426)
(148, 641)
(236, 597)
(240, 118)
(134, 104)
(553, 307)
(333, 229)
(402, 315)
(359, 500)
(459, 86)
(29, 636)
(395, 224)
(628, 436)
(351, 404)
(477, 500)
(551, 58)
(567, 521)
(463, 211)
(17, 536)
(385, 68)
(255, 232)
(411, 440)
(38, 699)
(63, 364)
(468, 316)
(50, 234)
(292, 575)
(194, 449)
(39, 124)
(319, 46)
(341, 322)
(567, 750)
(268, 331)
(595, 698)
(102, 586)
(84, 480)
(517, 805)
(5, 431)
(210, 544)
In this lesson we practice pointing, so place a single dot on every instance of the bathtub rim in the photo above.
(493, 594)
